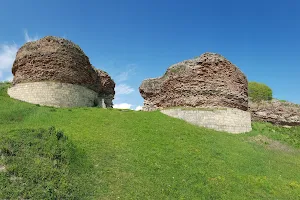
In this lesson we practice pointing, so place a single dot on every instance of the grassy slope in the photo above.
(141, 155)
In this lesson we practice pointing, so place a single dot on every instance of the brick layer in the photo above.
(54, 94)
(226, 119)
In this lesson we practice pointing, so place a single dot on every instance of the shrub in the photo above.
(259, 92)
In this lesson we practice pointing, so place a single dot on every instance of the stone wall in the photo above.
(54, 59)
(276, 112)
(207, 81)
(225, 119)
(55, 94)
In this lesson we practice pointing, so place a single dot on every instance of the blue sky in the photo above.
(137, 39)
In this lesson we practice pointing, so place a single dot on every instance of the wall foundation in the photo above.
(221, 119)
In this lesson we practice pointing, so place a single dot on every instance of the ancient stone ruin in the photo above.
(209, 80)
(55, 72)
(276, 112)
(208, 91)
(106, 88)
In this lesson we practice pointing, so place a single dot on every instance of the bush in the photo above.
(259, 92)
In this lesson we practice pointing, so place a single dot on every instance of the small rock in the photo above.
(2, 168)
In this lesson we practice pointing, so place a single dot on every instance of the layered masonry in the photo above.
(54, 94)
(208, 81)
(222, 119)
(55, 72)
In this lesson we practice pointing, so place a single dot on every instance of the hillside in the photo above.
(124, 154)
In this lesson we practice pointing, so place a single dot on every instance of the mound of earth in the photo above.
(207, 81)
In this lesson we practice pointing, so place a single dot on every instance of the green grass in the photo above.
(117, 154)
(37, 165)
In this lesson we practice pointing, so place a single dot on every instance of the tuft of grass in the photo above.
(287, 135)
(196, 108)
(281, 100)
(3, 88)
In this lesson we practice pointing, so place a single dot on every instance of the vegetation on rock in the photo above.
(259, 92)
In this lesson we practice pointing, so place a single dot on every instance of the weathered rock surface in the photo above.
(207, 81)
(106, 85)
(54, 59)
(276, 112)
(106, 88)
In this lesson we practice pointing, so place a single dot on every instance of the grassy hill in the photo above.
(97, 153)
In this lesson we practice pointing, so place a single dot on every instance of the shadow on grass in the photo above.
(43, 164)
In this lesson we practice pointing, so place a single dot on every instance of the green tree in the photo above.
(259, 92)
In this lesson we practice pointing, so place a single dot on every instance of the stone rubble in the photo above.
(276, 112)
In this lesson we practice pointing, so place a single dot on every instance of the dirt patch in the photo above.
(271, 144)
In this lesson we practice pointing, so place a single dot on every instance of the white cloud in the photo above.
(122, 106)
(123, 76)
(123, 89)
(139, 108)
(7, 56)
(10, 78)
(28, 38)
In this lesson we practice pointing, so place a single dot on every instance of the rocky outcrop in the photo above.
(106, 84)
(276, 112)
(106, 88)
(207, 81)
(53, 59)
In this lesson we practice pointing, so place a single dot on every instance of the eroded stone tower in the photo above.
(55, 72)
(208, 91)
